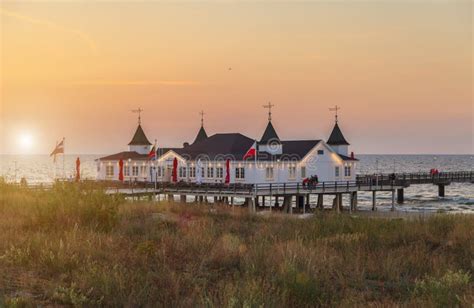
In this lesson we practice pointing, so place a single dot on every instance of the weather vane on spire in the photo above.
(335, 109)
(202, 117)
(139, 111)
(269, 106)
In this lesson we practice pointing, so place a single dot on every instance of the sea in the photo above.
(418, 198)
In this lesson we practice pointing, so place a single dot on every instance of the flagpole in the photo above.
(64, 154)
(256, 173)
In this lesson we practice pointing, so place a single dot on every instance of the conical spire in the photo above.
(139, 138)
(269, 134)
(336, 137)
(202, 135)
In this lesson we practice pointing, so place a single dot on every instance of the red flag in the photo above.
(175, 170)
(78, 169)
(152, 154)
(121, 170)
(59, 149)
(227, 171)
(252, 151)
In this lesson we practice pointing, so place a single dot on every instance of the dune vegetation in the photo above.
(74, 245)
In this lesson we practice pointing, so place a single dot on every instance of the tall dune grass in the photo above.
(73, 245)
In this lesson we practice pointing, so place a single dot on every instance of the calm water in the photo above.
(459, 197)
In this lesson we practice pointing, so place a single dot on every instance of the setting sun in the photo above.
(25, 141)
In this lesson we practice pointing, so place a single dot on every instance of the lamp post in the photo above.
(129, 175)
(15, 163)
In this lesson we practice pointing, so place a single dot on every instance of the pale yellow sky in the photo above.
(401, 71)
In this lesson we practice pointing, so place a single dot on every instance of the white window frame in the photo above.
(182, 172)
(210, 172)
(269, 173)
(347, 171)
(135, 171)
(219, 172)
(109, 171)
(143, 172)
(292, 172)
(126, 171)
(303, 172)
(240, 173)
(192, 172)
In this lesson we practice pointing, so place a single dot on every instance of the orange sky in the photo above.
(402, 72)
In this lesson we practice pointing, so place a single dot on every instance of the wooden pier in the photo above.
(255, 194)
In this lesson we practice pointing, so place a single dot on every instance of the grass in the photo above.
(76, 246)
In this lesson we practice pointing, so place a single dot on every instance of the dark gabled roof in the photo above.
(347, 157)
(337, 138)
(125, 155)
(269, 134)
(293, 150)
(298, 147)
(139, 138)
(229, 144)
(202, 135)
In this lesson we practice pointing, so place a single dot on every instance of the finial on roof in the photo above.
(335, 109)
(139, 111)
(269, 106)
(202, 117)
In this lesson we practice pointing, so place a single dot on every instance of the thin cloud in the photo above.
(136, 83)
(81, 35)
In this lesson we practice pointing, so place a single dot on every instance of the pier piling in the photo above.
(441, 190)
(374, 208)
(400, 196)
(393, 200)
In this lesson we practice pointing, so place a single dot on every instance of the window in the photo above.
(337, 171)
(239, 173)
(134, 170)
(126, 171)
(219, 172)
(269, 173)
(303, 172)
(182, 172)
(109, 170)
(210, 172)
(347, 171)
(292, 172)
(159, 171)
(143, 171)
(320, 152)
(192, 172)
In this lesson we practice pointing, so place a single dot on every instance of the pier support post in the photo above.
(216, 200)
(354, 201)
(307, 204)
(393, 200)
(374, 208)
(441, 190)
(320, 202)
(337, 203)
(182, 198)
(170, 198)
(299, 202)
(340, 203)
(251, 204)
(232, 201)
(400, 196)
(201, 199)
(286, 204)
(277, 204)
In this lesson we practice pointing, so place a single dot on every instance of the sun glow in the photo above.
(25, 141)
